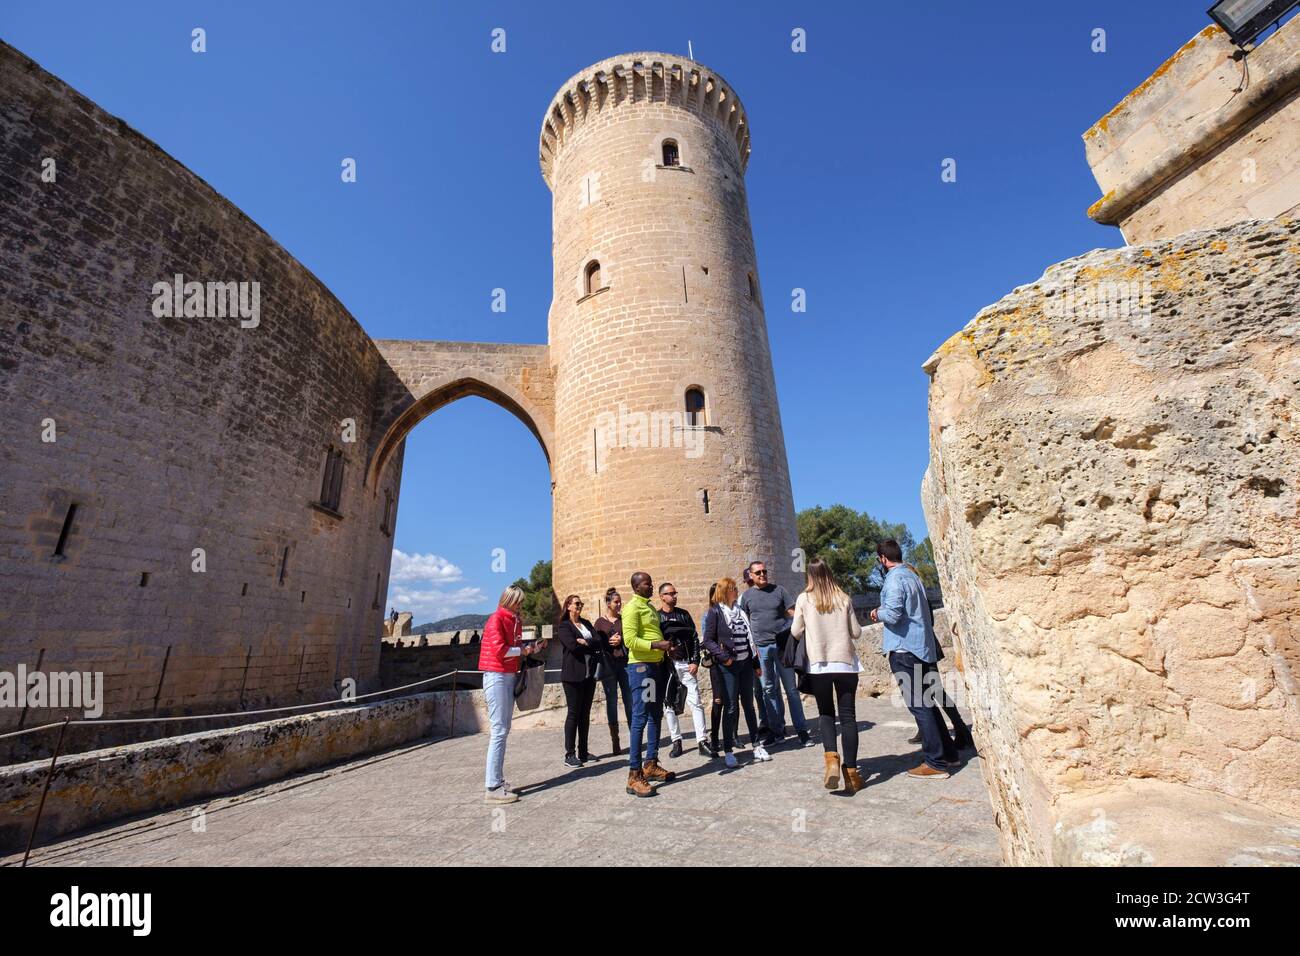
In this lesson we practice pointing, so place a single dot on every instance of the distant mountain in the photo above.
(461, 622)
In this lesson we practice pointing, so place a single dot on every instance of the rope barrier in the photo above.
(319, 705)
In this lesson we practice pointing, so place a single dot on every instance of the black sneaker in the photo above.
(915, 738)
(677, 749)
(769, 740)
(803, 737)
(571, 761)
(705, 750)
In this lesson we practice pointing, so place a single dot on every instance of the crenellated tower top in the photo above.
(641, 78)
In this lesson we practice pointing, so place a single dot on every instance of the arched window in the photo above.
(591, 278)
(671, 155)
(695, 407)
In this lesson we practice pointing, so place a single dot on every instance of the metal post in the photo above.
(49, 778)
(451, 731)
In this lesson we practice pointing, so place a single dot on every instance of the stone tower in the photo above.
(658, 309)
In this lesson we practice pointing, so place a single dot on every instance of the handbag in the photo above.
(676, 694)
(529, 683)
(706, 656)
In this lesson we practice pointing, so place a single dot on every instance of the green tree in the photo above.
(846, 540)
(540, 604)
(922, 558)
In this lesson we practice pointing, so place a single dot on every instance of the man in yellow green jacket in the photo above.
(646, 675)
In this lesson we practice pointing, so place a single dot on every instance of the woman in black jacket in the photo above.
(735, 661)
(578, 675)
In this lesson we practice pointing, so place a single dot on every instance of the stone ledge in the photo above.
(1147, 823)
(100, 786)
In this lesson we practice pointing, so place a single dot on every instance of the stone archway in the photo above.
(422, 377)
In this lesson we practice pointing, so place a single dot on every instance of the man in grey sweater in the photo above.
(770, 608)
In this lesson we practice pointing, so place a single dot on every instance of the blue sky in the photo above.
(844, 187)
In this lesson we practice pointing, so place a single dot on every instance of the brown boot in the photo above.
(637, 786)
(657, 774)
(852, 781)
(831, 778)
(613, 739)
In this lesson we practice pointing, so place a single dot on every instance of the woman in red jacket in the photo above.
(500, 652)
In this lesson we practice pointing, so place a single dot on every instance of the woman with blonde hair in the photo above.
(735, 660)
(500, 652)
(824, 620)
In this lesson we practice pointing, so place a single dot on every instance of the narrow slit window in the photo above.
(591, 280)
(284, 563)
(144, 579)
(753, 287)
(331, 486)
(376, 603)
(695, 412)
(387, 526)
(672, 157)
(65, 531)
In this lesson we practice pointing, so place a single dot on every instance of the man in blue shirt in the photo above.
(913, 658)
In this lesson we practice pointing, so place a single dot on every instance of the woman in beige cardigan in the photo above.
(824, 619)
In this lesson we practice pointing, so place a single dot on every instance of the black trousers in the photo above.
(738, 688)
(719, 703)
(578, 695)
(836, 694)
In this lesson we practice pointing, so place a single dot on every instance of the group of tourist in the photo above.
(759, 645)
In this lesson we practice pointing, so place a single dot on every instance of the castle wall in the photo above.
(171, 434)
(1113, 500)
(1206, 141)
(674, 311)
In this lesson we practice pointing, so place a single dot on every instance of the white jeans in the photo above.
(692, 701)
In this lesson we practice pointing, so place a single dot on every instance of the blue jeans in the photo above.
(647, 683)
(918, 681)
(769, 655)
(613, 685)
(499, 689)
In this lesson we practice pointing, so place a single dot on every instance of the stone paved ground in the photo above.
(422, 805)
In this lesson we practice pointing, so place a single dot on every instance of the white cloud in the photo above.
(415, 585)
(410, 568)
(433, 604)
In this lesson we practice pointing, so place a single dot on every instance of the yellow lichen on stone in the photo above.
(1103, 124)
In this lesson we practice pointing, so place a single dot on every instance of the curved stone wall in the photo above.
(171, 434)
